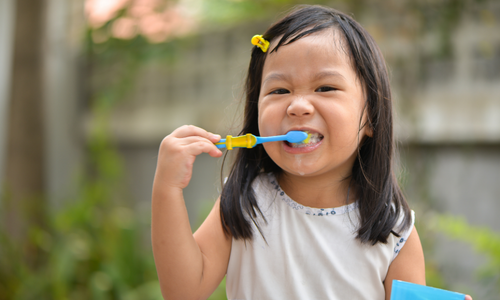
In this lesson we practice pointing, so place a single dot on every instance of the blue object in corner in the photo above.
(402, 290)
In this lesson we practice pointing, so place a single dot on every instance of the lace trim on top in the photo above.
(310, 210)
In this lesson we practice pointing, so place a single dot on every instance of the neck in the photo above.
(317, 191)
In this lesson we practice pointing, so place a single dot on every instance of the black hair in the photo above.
(380, 199)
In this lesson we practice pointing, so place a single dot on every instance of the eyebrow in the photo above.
(317, 76)
(324, 74)
(276, 76)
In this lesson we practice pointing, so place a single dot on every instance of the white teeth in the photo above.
(314, 138)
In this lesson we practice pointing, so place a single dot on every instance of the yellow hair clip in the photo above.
(260, 42)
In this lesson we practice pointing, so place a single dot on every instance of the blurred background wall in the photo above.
(115, 77)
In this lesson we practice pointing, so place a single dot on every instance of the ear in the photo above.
(367, 124)
(368, 129)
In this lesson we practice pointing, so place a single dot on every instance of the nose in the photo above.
(300, 107)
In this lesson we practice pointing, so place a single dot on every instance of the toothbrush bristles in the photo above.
(308, 138)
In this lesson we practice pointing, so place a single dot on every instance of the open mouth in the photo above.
(313, 138)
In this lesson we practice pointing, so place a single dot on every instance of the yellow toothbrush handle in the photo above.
(243, 141)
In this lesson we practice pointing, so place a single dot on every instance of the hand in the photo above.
(178, 152)
(467, 297)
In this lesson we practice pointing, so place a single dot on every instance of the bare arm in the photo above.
(188, 267)
(408, 266)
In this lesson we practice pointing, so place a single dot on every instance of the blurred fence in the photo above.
(112, 101)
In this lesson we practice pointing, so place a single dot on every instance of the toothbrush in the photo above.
(249, 140)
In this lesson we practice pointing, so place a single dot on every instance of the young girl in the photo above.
(322, 220)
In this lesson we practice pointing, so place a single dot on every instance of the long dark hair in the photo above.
(380, 198)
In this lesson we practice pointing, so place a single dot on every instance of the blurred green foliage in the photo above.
(97, 247)
(94, 248)
(482, 239)
(230, 12)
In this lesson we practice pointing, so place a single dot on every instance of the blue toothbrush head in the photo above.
(296, 136)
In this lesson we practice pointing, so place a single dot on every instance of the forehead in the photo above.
(326, 48)
(331, 35)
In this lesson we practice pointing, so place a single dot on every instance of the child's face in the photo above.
(311, 85)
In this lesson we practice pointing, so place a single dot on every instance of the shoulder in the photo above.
(409, 265)
(403, 233)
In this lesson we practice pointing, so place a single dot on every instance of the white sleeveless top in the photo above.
(308, 253)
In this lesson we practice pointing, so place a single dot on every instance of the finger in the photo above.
(191, 130)
(467, 297)
(202, 146)
(195, 139)
(215, 152)
(173, 145)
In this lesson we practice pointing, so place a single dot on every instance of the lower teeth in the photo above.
(295, 145)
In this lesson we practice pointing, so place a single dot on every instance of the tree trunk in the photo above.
(24, 186)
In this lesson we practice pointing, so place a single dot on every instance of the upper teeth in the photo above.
(313, 139)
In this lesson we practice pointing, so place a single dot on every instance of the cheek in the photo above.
(262, 121)
(269, 119)
(343, 124)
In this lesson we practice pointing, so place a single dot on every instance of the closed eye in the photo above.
(325, 89)
(279, 92)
